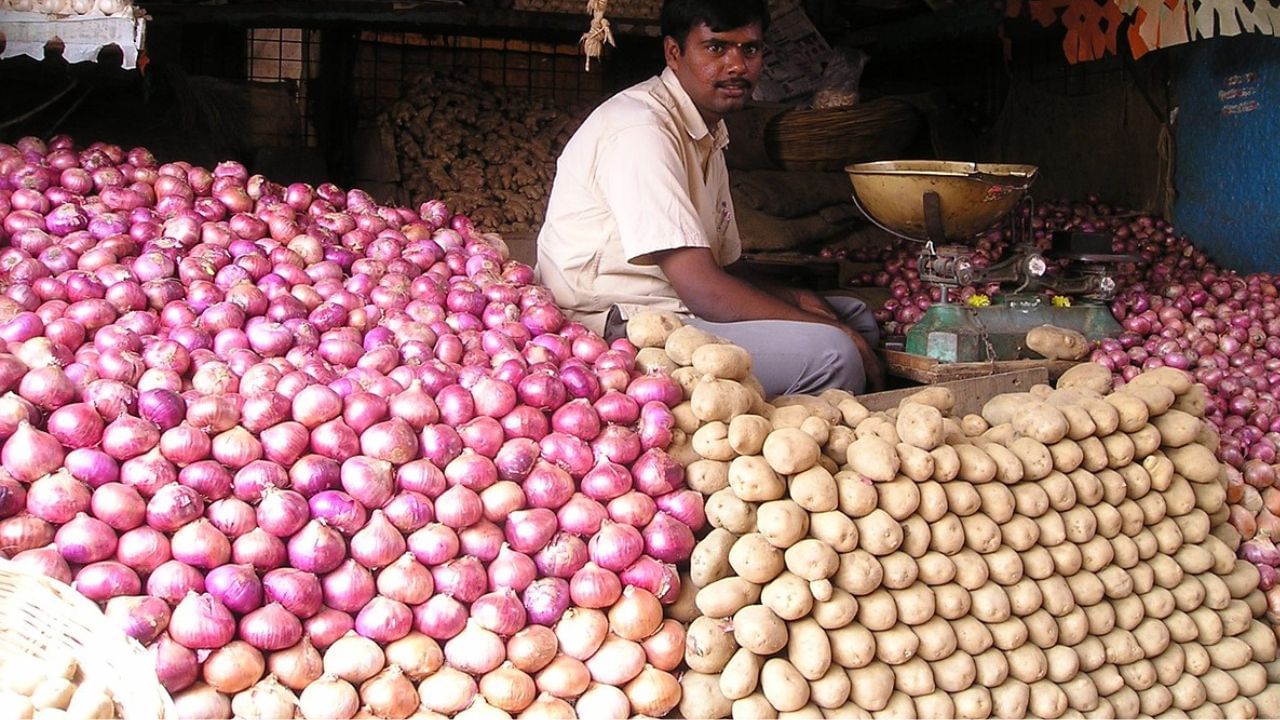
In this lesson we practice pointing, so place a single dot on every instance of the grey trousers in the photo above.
(791, 357)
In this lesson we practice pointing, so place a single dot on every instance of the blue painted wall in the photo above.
(1227, 135)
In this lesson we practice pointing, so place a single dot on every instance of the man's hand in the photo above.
(815, 304)
(870, 361)
(718, 296)
(812, 302)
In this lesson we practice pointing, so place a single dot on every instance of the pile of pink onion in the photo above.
(255, 421)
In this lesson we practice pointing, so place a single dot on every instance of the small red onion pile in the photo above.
(253, 420)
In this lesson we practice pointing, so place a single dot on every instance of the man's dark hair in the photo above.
(681, 16)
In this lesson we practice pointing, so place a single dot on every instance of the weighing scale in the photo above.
(942, 205)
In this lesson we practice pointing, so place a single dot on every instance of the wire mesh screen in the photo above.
(387, 63)
(290, 56)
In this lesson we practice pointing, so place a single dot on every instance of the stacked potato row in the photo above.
(1065, 554)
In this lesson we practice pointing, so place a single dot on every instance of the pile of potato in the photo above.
(488, 152)
(1065, 554)
(51, 687)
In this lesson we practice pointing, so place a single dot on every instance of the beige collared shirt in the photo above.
(643, 174)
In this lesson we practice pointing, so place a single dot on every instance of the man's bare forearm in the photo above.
(713, 294)
(759, 280)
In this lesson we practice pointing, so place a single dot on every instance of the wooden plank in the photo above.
(390, 13)
(931, 372)
(970, 393)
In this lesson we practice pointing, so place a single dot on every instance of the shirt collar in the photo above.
(693, 122)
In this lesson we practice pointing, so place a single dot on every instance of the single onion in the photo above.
(440, 618)
(545, 600)
(282, 512)
(594, 587)
(316, 548)
(173, 581)
(665, 648)
(297, 591)
(260, 549)
(298, 666)
(85, 540)
(233, 667)
(532, 648)
(30, 453)
(104, 580)
(475, 650)
(45, 561)
(390, 694)
(384, 620)
(378, 543)
(406, 581)
(237, 586)
(659, 578)
(201, 622)
(328, 696)
(271, 627)
(499, 612)
(58, 497)
(667, 539)
(199, 544)
(615, 546)
(416, 654)
(176, 666)
(327, 626)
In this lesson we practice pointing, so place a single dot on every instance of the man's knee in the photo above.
(836, 364)
(857, 315)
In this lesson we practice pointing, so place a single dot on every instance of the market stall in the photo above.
(308, 490)
(281, 448)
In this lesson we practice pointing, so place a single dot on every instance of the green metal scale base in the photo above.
(958, 333)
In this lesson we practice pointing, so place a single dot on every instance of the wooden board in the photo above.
(810, 270)
(970, 393)
(930, 372)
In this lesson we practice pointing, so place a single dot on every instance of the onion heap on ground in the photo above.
(320, 453)
(1179, 310)
(1063, 554)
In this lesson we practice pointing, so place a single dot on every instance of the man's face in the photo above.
(718, 69)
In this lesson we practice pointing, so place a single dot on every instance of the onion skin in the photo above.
(533, 647)
(665, 648)
(298, 666)
(233, 667)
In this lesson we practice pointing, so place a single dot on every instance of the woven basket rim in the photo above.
(831, 138)
(39, 614)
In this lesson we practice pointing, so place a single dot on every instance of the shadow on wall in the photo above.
(1102, 138)
(201, 120)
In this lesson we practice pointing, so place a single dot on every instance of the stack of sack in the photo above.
(784, 210)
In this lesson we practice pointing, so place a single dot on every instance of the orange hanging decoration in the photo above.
(1155, 24)
(1095, 28)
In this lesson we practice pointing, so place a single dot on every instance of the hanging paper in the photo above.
(1155, 24)
(1091, 26)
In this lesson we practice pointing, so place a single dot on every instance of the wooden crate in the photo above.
(970, 393)
(931, 372)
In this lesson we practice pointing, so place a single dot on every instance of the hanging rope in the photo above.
(600, 34)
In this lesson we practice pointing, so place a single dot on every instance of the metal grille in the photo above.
(290, 56)
(387, 63)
